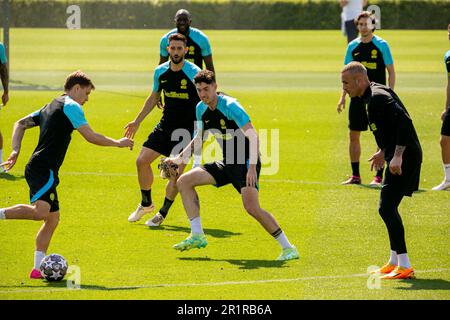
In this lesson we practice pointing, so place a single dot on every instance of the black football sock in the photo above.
(165, 208)
(146, 198)
(355, 169)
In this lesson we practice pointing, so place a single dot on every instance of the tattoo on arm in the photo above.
(27, 122)
(399, 150)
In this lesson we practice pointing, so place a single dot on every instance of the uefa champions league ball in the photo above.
(53, 267)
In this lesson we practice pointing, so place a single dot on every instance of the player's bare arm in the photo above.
(18, 132)
(252, 135)
(341, 103)
(391, 76)
(395, 166)
(447, 100)
(132, 127)
(5, 82)
(209, 63)
(101, 140)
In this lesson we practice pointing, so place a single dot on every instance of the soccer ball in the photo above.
(53, 267)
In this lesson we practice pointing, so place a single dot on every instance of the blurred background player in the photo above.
(399, 146)
(374, 53)
(220, 114)
(56, 120)
(350, 10)
(5, 96)
(199, 48)
(445, 130)
(175, 78)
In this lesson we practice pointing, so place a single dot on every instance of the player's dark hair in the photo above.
(205, 76)
(78, 77)
(367, 15)
(177, 37)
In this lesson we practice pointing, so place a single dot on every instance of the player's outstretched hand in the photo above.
(12, 159)
(126, 142)
(377, 161)
(130, 129)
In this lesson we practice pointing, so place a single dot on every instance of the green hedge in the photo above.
(225, 14)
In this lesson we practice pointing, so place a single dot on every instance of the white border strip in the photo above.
(208, 284)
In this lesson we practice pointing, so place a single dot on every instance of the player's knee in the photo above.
(183, 182)
(251, 208)
(141, 162)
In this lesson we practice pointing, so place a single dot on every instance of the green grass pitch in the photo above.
(287, 80)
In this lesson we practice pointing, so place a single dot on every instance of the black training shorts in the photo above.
(160, 140)
(42, 182)
(235, 174)
(445, 130)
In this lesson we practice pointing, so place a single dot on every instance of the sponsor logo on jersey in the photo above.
(177, 95)
(369, 65)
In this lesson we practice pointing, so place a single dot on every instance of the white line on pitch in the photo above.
(210, 284)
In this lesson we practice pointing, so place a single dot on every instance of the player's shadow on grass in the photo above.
(215, 233)
(246, 264)
(378, 188)
(22, 85)
(10, 177)
(426, 284)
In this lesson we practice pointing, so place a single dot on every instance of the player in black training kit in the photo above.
(199, 48)
(445, 129)
(175, 79)
(399, 146)
(56, 120)
(374, 53)
(226, 119)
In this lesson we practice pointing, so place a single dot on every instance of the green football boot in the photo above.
(193, 241)
(288, 254)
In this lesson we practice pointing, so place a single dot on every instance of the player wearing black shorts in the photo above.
(57, 120)
(374, 53)
(226, 119)
(445, 129)
(399, 146)
(173, 132)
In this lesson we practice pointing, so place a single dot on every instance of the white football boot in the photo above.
(155, 221)
(140, 212)
(443, 186)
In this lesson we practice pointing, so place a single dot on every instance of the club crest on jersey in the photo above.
(222, 124)
(191, 50)
(373, 127)
(183, 84)
(374, 54)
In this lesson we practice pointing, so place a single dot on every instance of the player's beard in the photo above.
(176, 60)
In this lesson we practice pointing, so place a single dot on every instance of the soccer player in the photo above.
(350, 10)
(5, 97)
(399, 146)
(223, 116)
(199, 48)
(56, 120)
(445, 130)
(374, 53)
(175, 79)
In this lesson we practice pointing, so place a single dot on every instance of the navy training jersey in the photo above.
(447, 62)
(56, 120)
(375, 56)
(197, 43)
(224, 123)
(390, 122)
(180, 94)
(3, 59)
